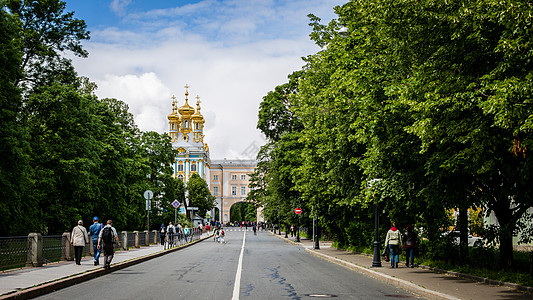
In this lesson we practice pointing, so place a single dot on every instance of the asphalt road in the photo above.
(247, 266)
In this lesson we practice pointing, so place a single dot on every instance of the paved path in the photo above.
(29, 282)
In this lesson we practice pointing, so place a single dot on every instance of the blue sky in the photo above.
(230, 52)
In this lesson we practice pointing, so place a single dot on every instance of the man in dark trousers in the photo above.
(107, 235)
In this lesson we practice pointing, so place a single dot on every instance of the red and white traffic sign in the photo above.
(298, 211)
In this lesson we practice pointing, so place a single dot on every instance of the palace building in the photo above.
(227, 179)
(187, 136)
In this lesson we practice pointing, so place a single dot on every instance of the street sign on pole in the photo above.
(148, 195)
(148, 205)
(176, 204)
(298, 211)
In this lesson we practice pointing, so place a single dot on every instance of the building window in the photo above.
(243, 177)
(233, 177)
(243, 191)
(180, 177)
(215, 177)
(193, 167)
(234, 191)
(180, 167)
(215, 191)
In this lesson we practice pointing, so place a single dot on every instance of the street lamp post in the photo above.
(376, 261)
(315, 230)
(279, 221)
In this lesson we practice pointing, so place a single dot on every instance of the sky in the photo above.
(231, 53)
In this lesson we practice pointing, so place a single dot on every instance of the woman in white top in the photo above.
(78, 239)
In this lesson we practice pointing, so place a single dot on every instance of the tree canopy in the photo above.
(432, 98)
(67, 155)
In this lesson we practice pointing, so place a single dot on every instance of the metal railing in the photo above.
(13, 252)
(37, 250)
(53, 249)
(178, 239)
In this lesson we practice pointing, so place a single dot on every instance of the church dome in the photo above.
(198, 117)
(186, 109)
(174, 116)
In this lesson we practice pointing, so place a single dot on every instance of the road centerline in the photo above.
(237, 285)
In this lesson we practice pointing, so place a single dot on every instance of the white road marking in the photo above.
(237, 285)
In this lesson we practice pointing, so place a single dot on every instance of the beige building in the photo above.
(229, 179)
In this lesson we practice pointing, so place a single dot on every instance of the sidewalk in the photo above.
(421, 281)
(31, 282)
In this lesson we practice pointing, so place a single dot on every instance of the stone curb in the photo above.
(49, 287)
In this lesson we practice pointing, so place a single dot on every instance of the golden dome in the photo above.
(197, 115)
(174, 115)
(186, 109)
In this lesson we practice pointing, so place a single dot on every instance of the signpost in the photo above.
(176, 204)
(298, 211)
(148, 195)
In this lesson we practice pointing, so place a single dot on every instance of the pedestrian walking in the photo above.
(292, 230)
(411, 242)
(186, 232)
(255, 229)
(108, 235)
(170, 233)
(221, 235)
(78, 239)
(216, 234)
(394, 242)
(162, 233)
(94, 232)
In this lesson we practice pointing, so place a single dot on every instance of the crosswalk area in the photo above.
(240, 229)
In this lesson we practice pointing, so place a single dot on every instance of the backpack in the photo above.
(107, 235)
(163, 229)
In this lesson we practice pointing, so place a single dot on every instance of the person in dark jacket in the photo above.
(162, 233)
(410, 243)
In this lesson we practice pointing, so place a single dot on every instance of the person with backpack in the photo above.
(94, 232)
(78, 239)
(162, 233)
(107, 234)
(170, 231)
(394, 242)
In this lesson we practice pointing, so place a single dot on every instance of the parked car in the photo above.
(473, 241)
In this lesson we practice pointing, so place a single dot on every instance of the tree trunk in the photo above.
(505, 221)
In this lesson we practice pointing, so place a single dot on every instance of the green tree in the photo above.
(199, 194)
(18, 212)
(46, 32)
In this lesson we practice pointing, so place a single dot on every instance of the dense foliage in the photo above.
(65, 154)
(432, 98)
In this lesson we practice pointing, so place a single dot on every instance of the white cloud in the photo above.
(230, 62)
(119, 6)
